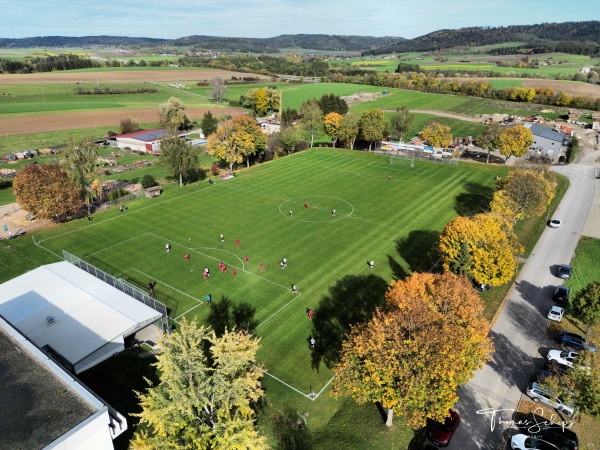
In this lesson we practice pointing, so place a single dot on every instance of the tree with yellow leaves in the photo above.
(490, 243)
(514, 141)
(238, 139)
(412, 356)
(332, 123)
(524, 193)
(200, 403)
(437, 135)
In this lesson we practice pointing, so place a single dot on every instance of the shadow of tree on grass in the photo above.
(475, 200)
(225, 314)
(419, 249)
(352, 300)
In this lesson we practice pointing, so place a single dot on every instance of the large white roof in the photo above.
(87, 313)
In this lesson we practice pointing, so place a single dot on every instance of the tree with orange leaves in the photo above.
(412, 356)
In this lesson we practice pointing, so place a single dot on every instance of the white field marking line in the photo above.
(373, 177)
(297, 295)
(184, 313)
(152, 205)
(200, 253)
(117, 244)
(48, 250)
(316, 396)
(163, 283)
(288, 385)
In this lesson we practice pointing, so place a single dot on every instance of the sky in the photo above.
(269, 18)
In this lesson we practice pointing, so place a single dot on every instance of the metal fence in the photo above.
(408, 155)
(123, 286)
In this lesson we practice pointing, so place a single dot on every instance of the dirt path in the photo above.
(88, 119)
(447, 114)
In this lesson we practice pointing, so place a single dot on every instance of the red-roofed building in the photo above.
(147, 141)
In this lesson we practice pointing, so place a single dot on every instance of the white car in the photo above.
(556, 313)
(555, 223)
(562, 357)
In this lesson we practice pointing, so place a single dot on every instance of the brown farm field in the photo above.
(88, 119)
(124, 76)
(570, 87)
(36, 123)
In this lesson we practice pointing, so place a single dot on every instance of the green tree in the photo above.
(332, 103)
(46, 191)
(288, 116)
(400, 123)
(437, 135)
(289, 137)
(312, 119)
(79, 161)
(514, 141)
(372, 125)
(403, 357)
(488, 140)
(201, 402)
(173, 117)
(180, 158)
(586, 304)
(218, 89)
(209, 124)
(349, 129)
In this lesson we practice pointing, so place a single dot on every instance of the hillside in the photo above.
(569, 37)
(321, 42)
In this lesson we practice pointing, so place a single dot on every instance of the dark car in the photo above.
(564, 271)
(441, 433)
(561, 294)
(576, 341)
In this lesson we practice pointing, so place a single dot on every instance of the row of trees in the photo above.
(427, 82)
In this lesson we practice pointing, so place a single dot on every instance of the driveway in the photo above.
(519, 332)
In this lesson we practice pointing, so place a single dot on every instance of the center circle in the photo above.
(316, 208)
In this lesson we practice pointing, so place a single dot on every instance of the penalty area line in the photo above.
(308, 396)
(276, 312)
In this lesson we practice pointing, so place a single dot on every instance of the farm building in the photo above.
(546, 141)
(147, 141)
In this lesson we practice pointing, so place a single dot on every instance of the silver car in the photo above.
(542, 395)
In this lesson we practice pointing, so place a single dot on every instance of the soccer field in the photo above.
(389, 213)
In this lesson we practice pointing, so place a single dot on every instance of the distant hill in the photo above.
(322, 42)
(84, 41)
(568, 37)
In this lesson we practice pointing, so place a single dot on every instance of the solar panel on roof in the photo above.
(152, 135)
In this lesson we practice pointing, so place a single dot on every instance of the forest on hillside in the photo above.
(582, 38)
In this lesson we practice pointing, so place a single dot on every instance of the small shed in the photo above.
(153, 191)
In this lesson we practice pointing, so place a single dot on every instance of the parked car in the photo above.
(525, 442)
(561, 294)
(576, 341)
(441, 433)
(564, 271)
(541, 395)
(539, 375)
(561, 357)
(556, 313)
(555, 223)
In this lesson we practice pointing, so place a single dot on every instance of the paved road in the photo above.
(519, 333)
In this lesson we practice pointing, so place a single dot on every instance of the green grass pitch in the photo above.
(389, 213)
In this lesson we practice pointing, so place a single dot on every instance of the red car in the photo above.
(441, 433)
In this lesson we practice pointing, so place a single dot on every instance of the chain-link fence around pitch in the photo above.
(123, 286)
(406, 156)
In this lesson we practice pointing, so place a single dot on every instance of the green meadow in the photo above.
(389, 213)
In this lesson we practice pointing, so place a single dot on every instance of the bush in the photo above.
(115, 195)
(148, 181)
(214, 169)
